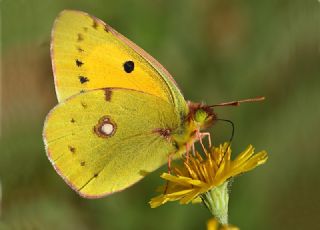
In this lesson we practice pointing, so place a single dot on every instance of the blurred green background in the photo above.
(217, 51)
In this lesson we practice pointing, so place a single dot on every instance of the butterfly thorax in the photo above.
(199, 117)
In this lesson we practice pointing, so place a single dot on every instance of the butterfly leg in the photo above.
(187, 151)
(209, 137)
(193, 149)
(199, 137)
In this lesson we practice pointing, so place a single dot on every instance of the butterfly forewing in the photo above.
(88, 54)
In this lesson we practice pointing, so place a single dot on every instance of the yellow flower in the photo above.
(213, 224)
(206, 178)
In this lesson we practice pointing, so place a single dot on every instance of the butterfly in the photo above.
(120, 115)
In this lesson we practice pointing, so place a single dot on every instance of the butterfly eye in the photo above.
(200, 116)
(128, 66)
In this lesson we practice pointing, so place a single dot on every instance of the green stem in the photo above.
(216, 200)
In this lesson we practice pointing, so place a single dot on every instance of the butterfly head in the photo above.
(201, 115)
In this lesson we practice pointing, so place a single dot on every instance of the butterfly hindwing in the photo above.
(104, 140)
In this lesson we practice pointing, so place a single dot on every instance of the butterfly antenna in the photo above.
(233, 103)
(237, 103)
(230, 140)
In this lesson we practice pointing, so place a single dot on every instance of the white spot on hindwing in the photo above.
(105, 127)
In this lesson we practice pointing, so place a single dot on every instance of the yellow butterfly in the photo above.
(120, 113)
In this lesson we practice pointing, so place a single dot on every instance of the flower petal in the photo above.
(199, 174)
(212, 224)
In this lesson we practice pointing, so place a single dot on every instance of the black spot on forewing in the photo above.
(95, 24)
(72, 120)
(79, 63)
(80, 37)
(83, 79)
(80, 49)
(108, 94)
(128, 66)
(82, 163)
(84, 105)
